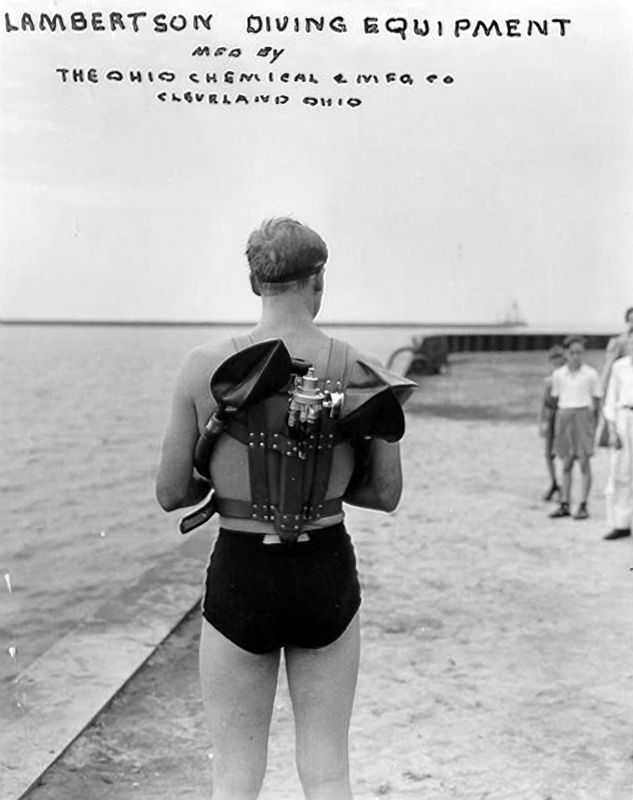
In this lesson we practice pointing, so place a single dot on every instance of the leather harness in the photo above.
(288, 476)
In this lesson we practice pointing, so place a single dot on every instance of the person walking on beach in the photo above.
(617, 347)
(264, 594)
(618, 412)
(576, 389)
(547, 420)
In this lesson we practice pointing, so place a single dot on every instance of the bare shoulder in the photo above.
(354, 355)
(199, 364)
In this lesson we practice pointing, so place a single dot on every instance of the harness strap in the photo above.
(243, 509)
(240, 342)
(257, 465)
(275, 441)
(288, 515)
(337, 369)
(288, 480)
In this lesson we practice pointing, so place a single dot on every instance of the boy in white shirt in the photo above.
(576, 388)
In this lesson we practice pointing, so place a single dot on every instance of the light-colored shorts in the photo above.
(575, 431)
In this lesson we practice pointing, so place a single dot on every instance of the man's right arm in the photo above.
(176, 484)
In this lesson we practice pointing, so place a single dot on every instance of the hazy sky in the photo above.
(438, 202)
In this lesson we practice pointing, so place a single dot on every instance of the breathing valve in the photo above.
(307, 404)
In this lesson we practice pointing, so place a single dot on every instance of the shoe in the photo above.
(553, 490)
(561, 511)
(617, 533)
(582, 512)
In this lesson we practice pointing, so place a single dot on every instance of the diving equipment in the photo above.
(198, 516)
(242, 379)
(373, 403)
(290, 418)
(307, 403)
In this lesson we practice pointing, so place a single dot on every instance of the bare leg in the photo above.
(238, 690)
(568, 465)
(585, 470)
(322, 684)
(551, 468)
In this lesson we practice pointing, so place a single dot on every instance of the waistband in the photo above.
(261, 537)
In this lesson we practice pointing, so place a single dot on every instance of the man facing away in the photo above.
(263, 595)
(576, 389)
(618, 412)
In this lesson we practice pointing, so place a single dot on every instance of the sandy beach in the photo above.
(496, 660)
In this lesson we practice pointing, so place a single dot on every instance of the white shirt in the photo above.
(620, 391)
(577, 388)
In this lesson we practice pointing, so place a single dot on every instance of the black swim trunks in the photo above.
(266, 596)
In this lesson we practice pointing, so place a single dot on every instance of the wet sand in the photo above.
(497, 643)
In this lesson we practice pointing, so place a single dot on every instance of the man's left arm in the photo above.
(376, 482)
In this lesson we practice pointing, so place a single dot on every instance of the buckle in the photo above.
(288, 526)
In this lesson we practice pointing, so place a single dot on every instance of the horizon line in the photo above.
(158, 323)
